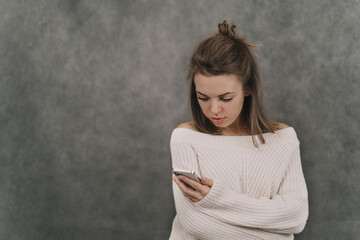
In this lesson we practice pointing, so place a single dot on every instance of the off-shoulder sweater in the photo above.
(258, 193)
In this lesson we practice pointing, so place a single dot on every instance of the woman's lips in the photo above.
(217, 120)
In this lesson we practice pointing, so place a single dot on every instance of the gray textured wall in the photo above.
(91, 90)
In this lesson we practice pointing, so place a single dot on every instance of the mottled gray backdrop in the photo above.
(90, 92)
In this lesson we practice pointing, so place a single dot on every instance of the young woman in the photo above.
(252, 184)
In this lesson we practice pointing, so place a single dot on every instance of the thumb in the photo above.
(207, 181)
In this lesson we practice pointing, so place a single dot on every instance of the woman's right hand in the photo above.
(199, 191)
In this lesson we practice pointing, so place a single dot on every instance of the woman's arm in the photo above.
(286, 213)
(206, 227)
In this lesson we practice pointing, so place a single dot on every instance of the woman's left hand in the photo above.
(201, 189)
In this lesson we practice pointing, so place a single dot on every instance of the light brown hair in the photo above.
(227, 53)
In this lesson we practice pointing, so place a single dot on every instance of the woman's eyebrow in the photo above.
(221, 95)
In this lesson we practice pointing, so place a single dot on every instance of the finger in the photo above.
(194, 184)
(203, 190)
(207, 181)
(198, 196)
(192, 195)
(195, 196)
(187, 191)
(180, 185)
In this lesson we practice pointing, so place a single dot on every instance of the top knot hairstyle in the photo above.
(227, 29)
(227, 53)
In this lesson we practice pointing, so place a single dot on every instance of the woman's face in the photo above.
(221, 99)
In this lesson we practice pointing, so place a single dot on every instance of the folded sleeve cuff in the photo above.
(211, 200)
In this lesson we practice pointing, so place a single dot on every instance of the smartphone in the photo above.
(187, 173)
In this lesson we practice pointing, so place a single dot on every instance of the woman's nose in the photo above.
(215, 107)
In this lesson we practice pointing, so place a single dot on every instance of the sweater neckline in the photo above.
(192, 136)
(237, 136)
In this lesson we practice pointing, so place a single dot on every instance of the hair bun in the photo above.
(226, 28)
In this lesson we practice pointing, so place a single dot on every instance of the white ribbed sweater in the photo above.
(257, 193)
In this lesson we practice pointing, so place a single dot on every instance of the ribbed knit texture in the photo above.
(258, 193)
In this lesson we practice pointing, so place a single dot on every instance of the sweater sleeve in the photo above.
(205, 227)
(199, 224)
(286, 212)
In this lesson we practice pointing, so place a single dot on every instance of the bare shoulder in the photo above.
(189, 125)
(282, 125)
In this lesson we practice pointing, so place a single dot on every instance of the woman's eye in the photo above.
(225, 100)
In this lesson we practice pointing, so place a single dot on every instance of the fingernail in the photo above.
(181, 177)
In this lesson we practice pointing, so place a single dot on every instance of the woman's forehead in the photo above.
(216, 85)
